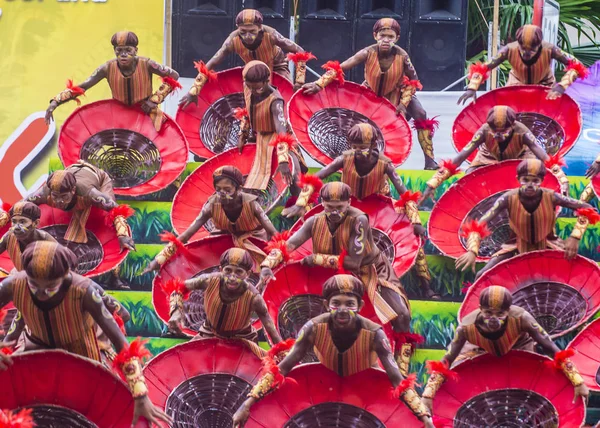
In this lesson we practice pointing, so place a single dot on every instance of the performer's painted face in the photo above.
(44, 289)
(343, 309)
(336, 210)
(257, 88)
(386, 39)
(22, 227)
(125, 55)
(62, 200)
(249, 33)
(530, 184)
(493, 319)
(233, 276)
(226, 190)
(362, 151)
(528, 53)
(501, 134)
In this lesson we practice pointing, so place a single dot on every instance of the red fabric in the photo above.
(136, 349)
(408, 382)
(579, 68)
(6, 206)
(175, 285)
(430, 125)
(280, 347)
(2, 315)
(477, 227)
(300, 57)
(442, 368)
(22, 419)
(407, 197)
(211, 75)
(174, 84)
(120, 323)
(447, 164)
(591, 214)
(170, 237)
(479, 68)
(556, 159)
(6, 351)
(335, 66)
(121, 210)
(414, 83)
(560, 357)
(466, 286)
(240, 112)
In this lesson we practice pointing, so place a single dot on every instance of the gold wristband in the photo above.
(4, 217)
(412, 212)
(263, 386)
(587, 194)
(162, 92)
(475, 81)
(121, 227)
(175, 302)
(132, 370)
(434, 383)
(560, 175)
(198, 84)
(301, 72)
(305, 195)
(568, 78)
(273, 259)
(474, 242)
(64, 96)
(571, 372)
(326, 260)
(580, 227)
(166, 253)
(407, 95)
(329, 76)
(413, 402)
(438, 178)
(283, 154)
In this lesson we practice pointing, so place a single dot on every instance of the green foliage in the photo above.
(144, 321)
(135, 263)
(147, 224)
(437, 330)
(588, 246)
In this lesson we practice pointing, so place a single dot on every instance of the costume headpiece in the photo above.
(363, 133)
(529, 36)
(343, 284)
(25, 209)
(61, 181)
(256, 71)
(495, 297)
(124, 38)
(230, 172)
(237, 257)
(531, 167)
(335, 191)
(249, 17)
(387, 24)
(48, 260)
(501, 117)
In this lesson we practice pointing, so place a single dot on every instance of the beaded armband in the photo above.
(310, 184)
(300, 60)
(305, 195)
(574, 70)
(434, 383)
(580, 227)
(474, 231)
(406, 392)
(478, 73)
(410, 87)
(329, 76)
(283, 153)
(333, 72)
(264, 385)
(128, 363)
(474, 243)
(121, 226)
(70, 93)
(438, 178)
(166, 253)
(571, 372)
(273, 259)
(587, 194)
(326, 260)
(167, 86)
(177, 291)
(412, 212)
(204, 75)
(117, 217)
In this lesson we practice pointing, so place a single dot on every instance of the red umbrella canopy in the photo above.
(587, 354)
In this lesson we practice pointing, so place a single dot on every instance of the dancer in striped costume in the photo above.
(531, 60)
(496, 328)
(130, 79)
(389, 72)
(61, 310)
(344, 342)
(229, 302)
(532, 217)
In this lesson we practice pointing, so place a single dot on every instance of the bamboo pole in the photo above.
(495, 36)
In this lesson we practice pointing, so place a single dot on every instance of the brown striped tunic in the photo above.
(132, 89)
(360, 356)
(387, 84)
(513, 338)
(267, 52)
(364, 185)
(532, 230)
(227, 319)
(490, 152)
(538, 73)
(246, 222)
(61, 321)
(14, 249)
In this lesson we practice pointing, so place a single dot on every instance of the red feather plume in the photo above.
(559, 358)
(170, 237)
(240, 113)
(279, 242)
(447, 164)
(407, 197)
(6, 206)
(121, 210)
(442, 368)
(120, 322)
(430, 125)
(479, 68)
(283, 138)
(475, 226)
(335, 66)
(341, 259)
(174, 84)
(6, 351)
(75, 90)
(135, 349)
(555, 160)
(579, 68)
(175, 285)
(591, 214)
(211, 75)
(314, 181)
(280, 347)
(407, 383)
(22, 419)
(414, 83)
(300, 57)
(400, 338)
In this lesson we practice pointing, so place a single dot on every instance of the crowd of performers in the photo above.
(363, 321)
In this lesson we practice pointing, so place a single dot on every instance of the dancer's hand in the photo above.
(242, 140)
(49, 117)
(419, 230)
(571, 247)
(286, 172)
(310, 88)
(401, 109)
(5, 360)
(266, 275)
(144, 408)
(186, 100)
(556, 92)
(428, 193)
(308, 261)
(152, 266)
(583, 392)
(469, 93)
(126, 243)
(593, 170)
(148, 106)
(466, 261)
(176, 322)
(428, 422)
(241, 416)
(428, 403)
(293, 211)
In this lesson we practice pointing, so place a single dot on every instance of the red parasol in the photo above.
(587, 354)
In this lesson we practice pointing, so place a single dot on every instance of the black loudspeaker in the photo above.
(326, 30)
(199, 29)
(369, 12)
(276, 13)
(438, 42)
